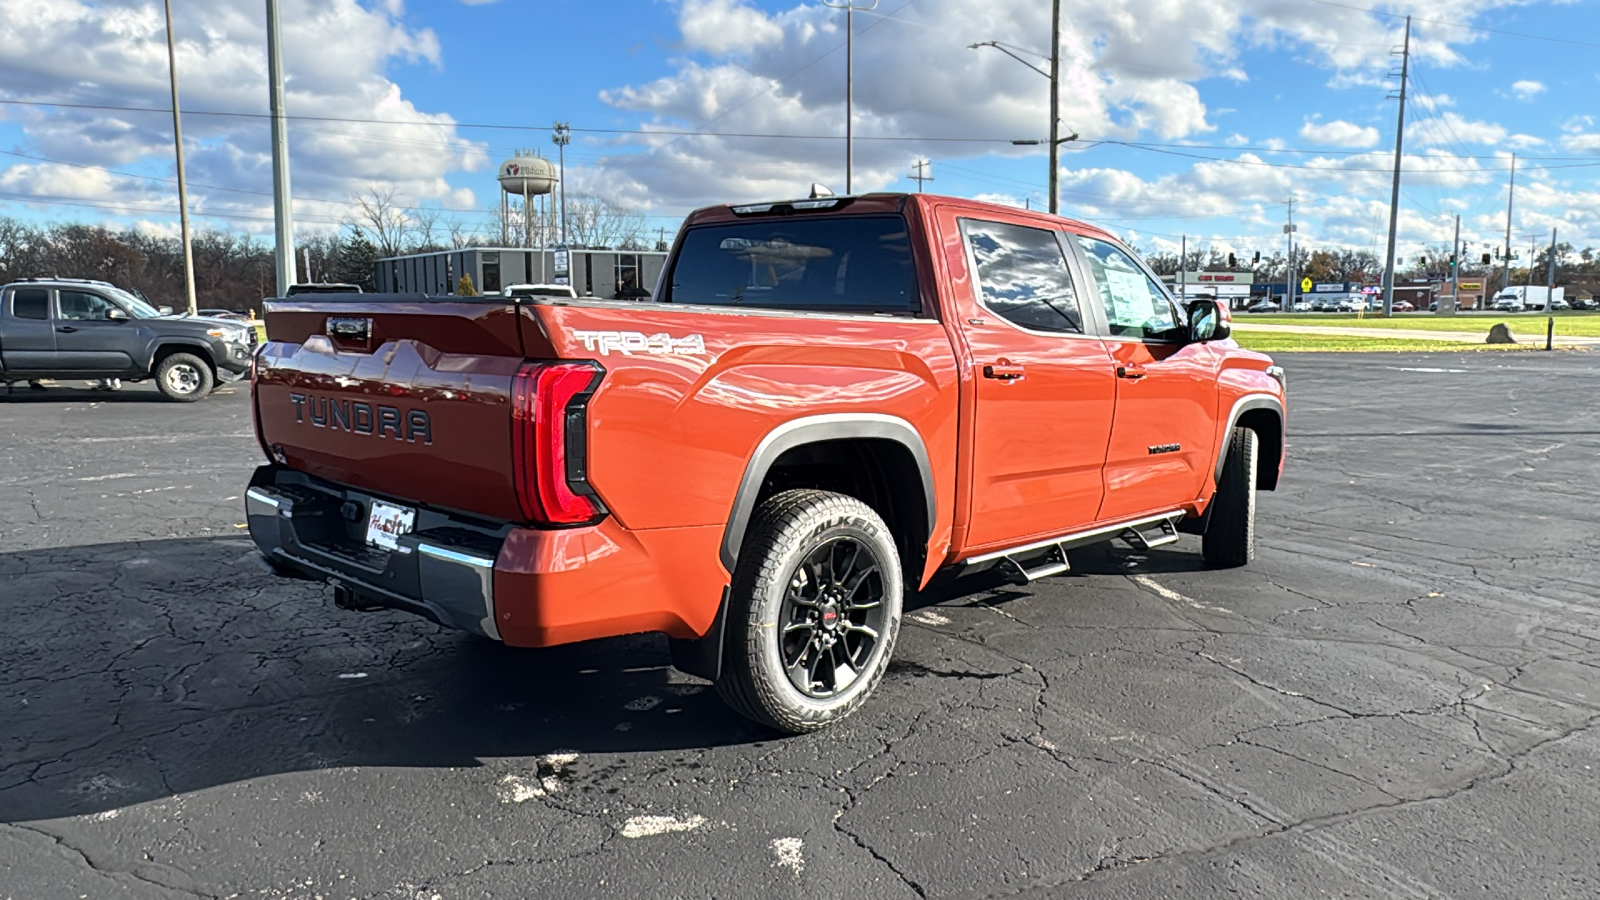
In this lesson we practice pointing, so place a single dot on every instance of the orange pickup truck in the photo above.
(826, 403)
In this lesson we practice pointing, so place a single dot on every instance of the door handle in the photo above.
(1003, 371)
(66, 329)
(1132, 373)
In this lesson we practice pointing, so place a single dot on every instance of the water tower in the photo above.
(527, 176)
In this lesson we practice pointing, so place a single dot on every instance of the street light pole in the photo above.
(283, 212)
(1055, 102)
(1054, 75)
(183, 190)
(561, 135)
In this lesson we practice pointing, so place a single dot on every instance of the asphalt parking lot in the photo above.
(1398, 699)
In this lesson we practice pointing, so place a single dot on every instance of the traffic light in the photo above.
(1452, 262)
(1232, 263)
(1257, 258)
(1486, 259)
(1422, 260)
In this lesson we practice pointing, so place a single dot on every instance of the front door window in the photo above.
(82, 306)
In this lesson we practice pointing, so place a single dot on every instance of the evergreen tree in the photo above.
(358, 260)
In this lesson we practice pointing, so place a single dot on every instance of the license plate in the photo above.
(386, 522)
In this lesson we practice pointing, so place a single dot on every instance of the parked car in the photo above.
(1507, 304)
(1302, 306)
(1320, 305)
(67, 328)
(1559, 304)
(698, 466)
(540, 290)
(1403, 306)
(1585, 303)
(323, 288)
(228, 314)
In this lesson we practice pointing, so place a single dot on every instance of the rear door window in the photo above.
(30, 303)
(1023, 276)
(844, 264)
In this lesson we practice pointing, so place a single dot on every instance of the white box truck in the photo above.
(1522, 297)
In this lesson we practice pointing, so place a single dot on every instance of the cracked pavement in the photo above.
(1397, 699)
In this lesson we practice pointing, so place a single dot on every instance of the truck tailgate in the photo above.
(408, 400)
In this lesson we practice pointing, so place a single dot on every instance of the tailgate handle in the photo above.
(350, 329)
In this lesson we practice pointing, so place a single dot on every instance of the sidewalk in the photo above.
(1414, 334)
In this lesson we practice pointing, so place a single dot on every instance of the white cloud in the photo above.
(726, 26)
(1527, 90)
(1581, 143)
(1339, 133)
(1453, 128)
(113, 52)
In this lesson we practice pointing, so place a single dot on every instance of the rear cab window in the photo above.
(835, 264)
(30, 303)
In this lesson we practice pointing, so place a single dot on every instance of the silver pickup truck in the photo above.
(80, 329)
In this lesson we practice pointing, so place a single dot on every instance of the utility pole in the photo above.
(1455, 273)
(849, 8)
(1288, 278)
(183, 189)
(283, 212)
(1055, 103)
(1394, 195)
(1550, 275)
(1511, 195)
(561, 136)
(921, 175)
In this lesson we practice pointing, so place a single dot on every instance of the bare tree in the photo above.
(594, 221)
(425, 230)
(383, 219)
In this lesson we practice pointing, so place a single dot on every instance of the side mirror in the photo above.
(116, 315)
(164, 310)
(1208, 321)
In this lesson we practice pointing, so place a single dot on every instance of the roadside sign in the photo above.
(1305, 285)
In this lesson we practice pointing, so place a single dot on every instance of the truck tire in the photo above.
(184, 377)
(813, 613)
(1230, 537)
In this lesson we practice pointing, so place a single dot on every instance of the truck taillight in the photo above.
(550, 446)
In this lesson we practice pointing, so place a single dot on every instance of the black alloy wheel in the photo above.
(833, 616)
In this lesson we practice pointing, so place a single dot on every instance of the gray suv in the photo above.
(71, 328)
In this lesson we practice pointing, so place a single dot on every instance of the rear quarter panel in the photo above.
(670, 433)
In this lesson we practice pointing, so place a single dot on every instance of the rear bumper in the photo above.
(442, 571)
(527, 587)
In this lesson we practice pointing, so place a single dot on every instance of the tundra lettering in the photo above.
(356, 417)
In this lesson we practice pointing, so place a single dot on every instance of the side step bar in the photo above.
(1166, 533)
(1041, 559)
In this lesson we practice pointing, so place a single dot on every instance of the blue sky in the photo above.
(1197, 118)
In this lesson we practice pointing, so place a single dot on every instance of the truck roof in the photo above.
(879, 203)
